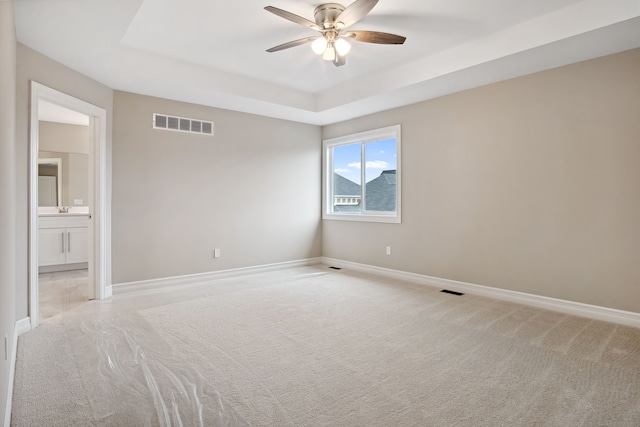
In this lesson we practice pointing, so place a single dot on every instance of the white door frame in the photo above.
(98, 233)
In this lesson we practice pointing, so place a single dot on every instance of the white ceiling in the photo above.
(212, 52)
(48, 112)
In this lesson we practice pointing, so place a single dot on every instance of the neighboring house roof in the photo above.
(344, 187)
(380, 192)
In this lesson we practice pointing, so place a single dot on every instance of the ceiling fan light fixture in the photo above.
(342, 47)
(319, 45)
(329, 53)
(331, 19)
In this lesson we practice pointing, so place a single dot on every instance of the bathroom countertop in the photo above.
(64, 214)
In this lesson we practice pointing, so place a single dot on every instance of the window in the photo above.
(344, 195)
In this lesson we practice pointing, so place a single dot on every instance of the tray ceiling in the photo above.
(213, 52)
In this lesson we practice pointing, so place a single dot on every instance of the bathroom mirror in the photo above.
(63, 165)
(63, 179)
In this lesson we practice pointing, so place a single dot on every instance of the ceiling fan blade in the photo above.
(293, 18)
(293, 43)
(340, 60)
(355, 12)
(375, 37)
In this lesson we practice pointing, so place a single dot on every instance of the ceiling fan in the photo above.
(331, 21)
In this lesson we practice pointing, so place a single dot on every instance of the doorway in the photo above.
(75, 227)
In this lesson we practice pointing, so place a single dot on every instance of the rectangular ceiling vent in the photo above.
(182, 124)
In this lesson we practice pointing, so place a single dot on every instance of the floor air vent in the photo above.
(447, 291)
(182, 124)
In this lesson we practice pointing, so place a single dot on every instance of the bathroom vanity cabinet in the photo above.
(63, 239)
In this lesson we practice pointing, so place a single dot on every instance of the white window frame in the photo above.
(327, 175)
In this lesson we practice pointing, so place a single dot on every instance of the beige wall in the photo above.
(252, 190)
(34, 66)
(7, 195)
(530, 185)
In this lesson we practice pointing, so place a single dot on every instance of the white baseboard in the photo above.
(21, 327)
(606, 314)
(143, 285)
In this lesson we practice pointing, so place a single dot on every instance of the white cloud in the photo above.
(342, 170)
(377, 164)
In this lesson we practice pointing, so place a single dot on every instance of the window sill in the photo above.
(389, 219)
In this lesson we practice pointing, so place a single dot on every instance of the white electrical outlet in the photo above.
(388, 250)
(77, 202)
(216, 253)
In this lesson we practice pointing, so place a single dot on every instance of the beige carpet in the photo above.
(315, 347)
(47, 383)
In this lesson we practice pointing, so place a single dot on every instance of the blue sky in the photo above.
(379, 156)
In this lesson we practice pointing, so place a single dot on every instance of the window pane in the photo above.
(346, 191)
(380, 176)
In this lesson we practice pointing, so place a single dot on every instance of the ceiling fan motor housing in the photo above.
(326, 14)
